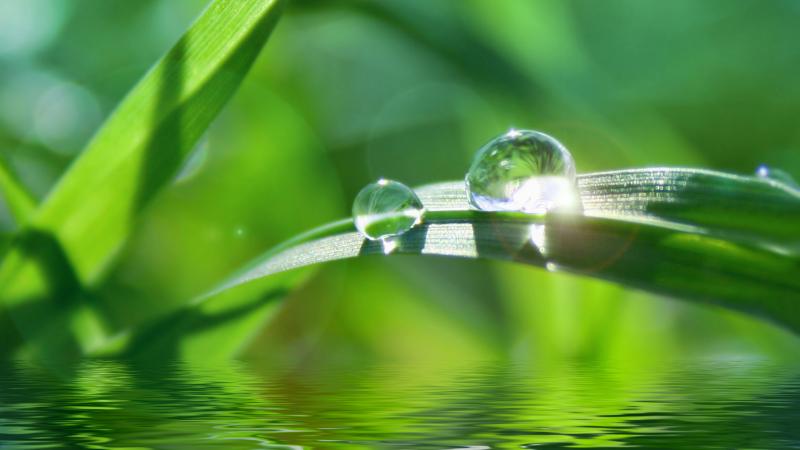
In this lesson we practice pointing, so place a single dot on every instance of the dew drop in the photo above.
(764, 171)
(386, 209)
(524, 171)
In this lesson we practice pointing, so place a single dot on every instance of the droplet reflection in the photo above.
(386, 209)
(525, 171)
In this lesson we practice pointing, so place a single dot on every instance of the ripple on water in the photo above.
(106, 404)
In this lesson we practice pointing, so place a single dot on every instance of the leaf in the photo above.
(140, 147)
(20, 202)
(75, 234)
(689, 233)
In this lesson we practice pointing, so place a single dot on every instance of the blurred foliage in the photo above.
(346, 92)
(19, 201)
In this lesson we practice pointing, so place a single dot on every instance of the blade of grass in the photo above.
(139, 148)
(693, 234)
(93, 208)
(750, 209)
(87, 217)
(755, 210)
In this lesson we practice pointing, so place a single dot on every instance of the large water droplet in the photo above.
(385, 209)
(525, 171)
(764, 171)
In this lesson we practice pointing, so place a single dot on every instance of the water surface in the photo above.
(730, 403)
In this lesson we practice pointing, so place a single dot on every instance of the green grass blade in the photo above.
(137, 151)
(751, 209)
(754, 210)
(93, 208)
(20, 202)
(692, 234)
(73, 237)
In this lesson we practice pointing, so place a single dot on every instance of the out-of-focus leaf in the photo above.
(94, 206)
(439, 29)
(77, 231)
(693, 234)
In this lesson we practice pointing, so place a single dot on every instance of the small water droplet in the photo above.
(525, 171)
(764, 171)
(385, 209)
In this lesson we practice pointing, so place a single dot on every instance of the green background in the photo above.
(347, 92)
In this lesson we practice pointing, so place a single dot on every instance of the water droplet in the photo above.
(525, 171)
(764, 171)
(385, 209)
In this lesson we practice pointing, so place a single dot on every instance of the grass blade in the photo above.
(692, 234)
(77, 231)
(137, 151)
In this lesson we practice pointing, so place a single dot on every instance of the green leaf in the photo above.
(20, 202)
(94, 207)
(140, 147)
(692, 234)
(77, 231)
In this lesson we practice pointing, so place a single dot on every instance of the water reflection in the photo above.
(107, 404)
